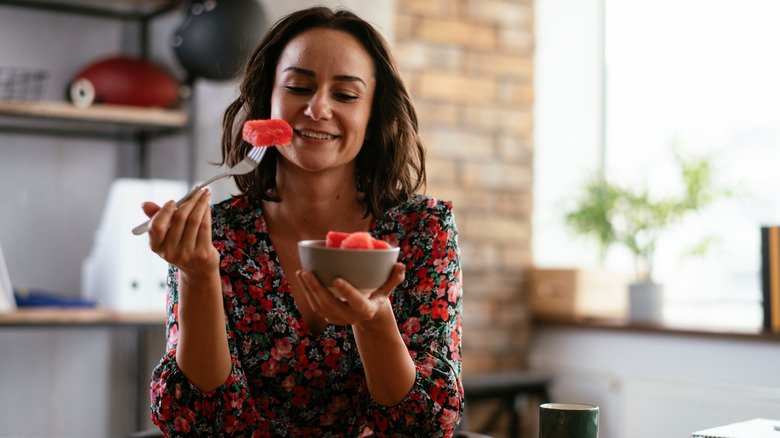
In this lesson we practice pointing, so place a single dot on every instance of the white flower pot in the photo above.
(645, 302)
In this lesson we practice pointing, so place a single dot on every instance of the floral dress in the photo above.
(288, 381)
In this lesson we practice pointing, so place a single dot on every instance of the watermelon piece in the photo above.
(358, 240)
(271, 132)
(380, 244)
(334, 239)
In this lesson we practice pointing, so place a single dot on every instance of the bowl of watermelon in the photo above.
(363, 261)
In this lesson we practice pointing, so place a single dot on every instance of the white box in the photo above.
(122, 272)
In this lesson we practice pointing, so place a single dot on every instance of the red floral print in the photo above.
(287, 381)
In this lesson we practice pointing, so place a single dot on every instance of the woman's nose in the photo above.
(318, 107)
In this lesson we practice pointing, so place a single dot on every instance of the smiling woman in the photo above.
(258, 345)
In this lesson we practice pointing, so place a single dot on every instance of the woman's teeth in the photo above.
(315, 135)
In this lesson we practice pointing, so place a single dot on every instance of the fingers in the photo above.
(204, 232)
(180, 219)
(194, 221)
(182, 236)
(321, 300)
(159, 226)
(150, 209)
(397, 276)
(355, 306)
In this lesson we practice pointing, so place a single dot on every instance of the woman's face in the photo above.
(324, 87)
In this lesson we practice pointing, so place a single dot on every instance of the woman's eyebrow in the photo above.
(340, 78)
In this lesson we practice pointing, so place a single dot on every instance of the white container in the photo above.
(7, 300)
(122, 272)
(646, 303)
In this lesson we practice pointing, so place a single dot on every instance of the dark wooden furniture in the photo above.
(511, 389)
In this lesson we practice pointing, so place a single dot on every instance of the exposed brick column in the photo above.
(469, 67)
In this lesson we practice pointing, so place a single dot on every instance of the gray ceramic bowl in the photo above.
(366, 269)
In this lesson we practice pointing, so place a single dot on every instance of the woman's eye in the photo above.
(296, 90)
(345, 97)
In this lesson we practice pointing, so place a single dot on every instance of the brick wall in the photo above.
(469, 68)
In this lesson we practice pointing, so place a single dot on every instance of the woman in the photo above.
(256, 346)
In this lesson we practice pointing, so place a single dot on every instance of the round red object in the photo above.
(124, 80)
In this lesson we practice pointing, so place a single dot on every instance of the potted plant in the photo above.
(632, 217)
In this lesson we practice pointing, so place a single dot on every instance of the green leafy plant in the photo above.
(618, 215)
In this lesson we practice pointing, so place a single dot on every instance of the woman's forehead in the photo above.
(333, 50)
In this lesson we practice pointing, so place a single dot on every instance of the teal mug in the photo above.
(568, 420)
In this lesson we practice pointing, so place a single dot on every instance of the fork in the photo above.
(244, 166)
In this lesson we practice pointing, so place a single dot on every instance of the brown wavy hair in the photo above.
(391, 163)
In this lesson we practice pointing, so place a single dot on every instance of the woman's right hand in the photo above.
(182, 236)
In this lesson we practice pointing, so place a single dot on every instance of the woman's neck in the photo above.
(312, 205)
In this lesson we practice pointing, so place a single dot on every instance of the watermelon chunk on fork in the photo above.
(271, 132)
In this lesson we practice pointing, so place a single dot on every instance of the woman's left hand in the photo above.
(389, 369)
(355, 307)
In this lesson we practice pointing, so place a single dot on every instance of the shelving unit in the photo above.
(140, 323)
(139, 11)
(139, 124)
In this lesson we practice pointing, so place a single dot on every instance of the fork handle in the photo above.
(144, 227)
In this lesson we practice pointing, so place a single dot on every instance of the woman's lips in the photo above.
(314, 135)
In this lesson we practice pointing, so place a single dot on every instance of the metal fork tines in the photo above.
(244, 166)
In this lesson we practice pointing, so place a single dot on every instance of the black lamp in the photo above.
(215, 37)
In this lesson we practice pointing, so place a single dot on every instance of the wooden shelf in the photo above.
(125, 9)
(97, 113)
(51, 316)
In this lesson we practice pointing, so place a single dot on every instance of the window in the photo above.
(703, 75)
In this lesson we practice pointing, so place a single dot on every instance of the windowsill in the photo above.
(671, 325)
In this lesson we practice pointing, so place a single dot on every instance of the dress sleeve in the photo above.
(178, 408)
(428, 307)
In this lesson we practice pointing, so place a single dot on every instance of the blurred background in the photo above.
(519, 102)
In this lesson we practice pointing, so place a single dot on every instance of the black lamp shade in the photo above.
(216, 36)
